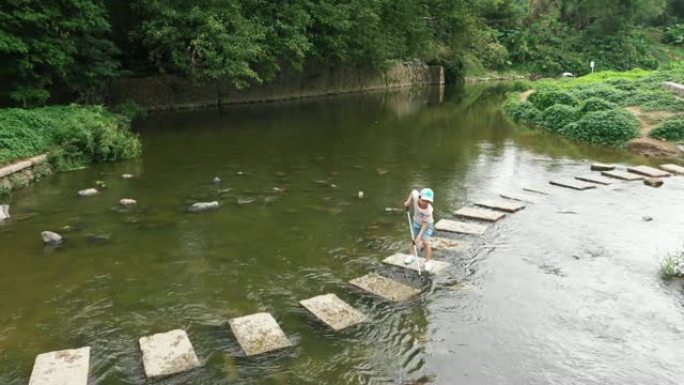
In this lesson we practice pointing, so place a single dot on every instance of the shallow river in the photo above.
(564, 292)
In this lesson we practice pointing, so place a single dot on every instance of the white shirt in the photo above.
(421, 215)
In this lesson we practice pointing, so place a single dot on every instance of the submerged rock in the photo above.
(216, 180)
(203, 206)
(98, 237)
(653, 182)
(360, 195)
(87, 192)
(127, 176)
(51, 238)
(126, 202)
(4, 212)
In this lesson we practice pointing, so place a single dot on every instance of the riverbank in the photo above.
(624, 109)
(35, 141)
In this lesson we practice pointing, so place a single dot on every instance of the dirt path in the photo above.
(645, 145)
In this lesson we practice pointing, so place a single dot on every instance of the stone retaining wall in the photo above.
(176, 92)
(22, 173)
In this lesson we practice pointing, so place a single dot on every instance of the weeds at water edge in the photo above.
(672, 266)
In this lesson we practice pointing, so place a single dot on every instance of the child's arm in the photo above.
(423, 226)
(407, 202)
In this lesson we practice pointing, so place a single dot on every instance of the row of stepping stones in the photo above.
(169, 353)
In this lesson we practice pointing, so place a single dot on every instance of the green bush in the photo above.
(655, 101)
(522, 112)
(597, 104)
(672, 130)
(73, 135)
(613, 127)
(601, 91)
(558, 116)
(543, 99)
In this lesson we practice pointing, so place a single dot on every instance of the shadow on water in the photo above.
(291, 226)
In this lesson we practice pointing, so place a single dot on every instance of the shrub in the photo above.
(672, 130)
(597, 104)
(557, 116)
(613, 127)
(543, 99)
(655, 101)
(604, 92)
(522, 112)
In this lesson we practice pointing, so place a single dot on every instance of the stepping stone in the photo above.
(520, 197)
(673, 168)
(398, 260)
(649, 172)
(598, 179)
(573, 184)
(258, 333)
(439, 243)
(480, 214)
(602, 167)
(653, 182)
(617, 174)
(384, 287)
(501, 205)
(460, 227)
(64, 367)
(167, 353)
(334, 312)
(538, 190)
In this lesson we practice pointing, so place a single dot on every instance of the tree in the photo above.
(54, 43)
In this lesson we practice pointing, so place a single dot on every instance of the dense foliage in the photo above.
(592, 108)
(70, 49)
(73, 135)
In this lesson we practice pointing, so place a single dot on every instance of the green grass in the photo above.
(72, 135)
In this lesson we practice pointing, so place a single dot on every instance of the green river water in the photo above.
(290, 226)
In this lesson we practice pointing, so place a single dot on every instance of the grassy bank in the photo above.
(72, 135)
(599, 108)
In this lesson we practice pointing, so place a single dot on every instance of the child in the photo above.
(422, 223)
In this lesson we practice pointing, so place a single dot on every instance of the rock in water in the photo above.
(128, 202)
(216, 180)
(203, 206)
(87, 192)
(4, 212)
(653, 182)
(127, 176)
(51, 238)
(360, 194)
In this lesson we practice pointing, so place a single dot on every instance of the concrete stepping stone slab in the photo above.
(520, 197)
(649, 172)
(480, 214)
(258, 333)
(460, 227)
(617, 174)
(334, 312)
(538, 190)
(573, 184)
(167, 353)
(384, 287)
(501, 205)
(398, 260)
(673, 168)
(64, 367)
(439, 243)
(602, 167)
(598, 179)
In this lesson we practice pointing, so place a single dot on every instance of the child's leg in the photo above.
(427, 250)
